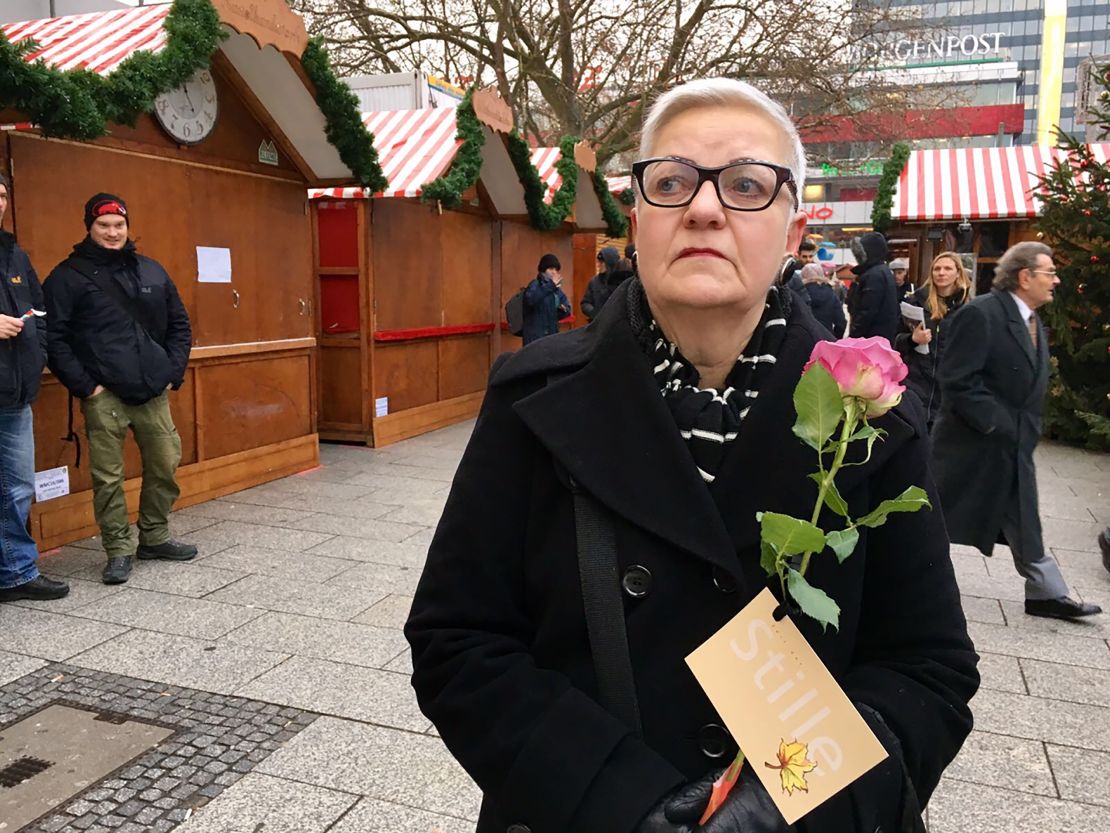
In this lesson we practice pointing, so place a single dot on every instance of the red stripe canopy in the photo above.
(976, 183)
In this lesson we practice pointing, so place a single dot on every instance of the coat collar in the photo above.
(602, 417)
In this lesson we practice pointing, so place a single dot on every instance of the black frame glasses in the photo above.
(783, 176)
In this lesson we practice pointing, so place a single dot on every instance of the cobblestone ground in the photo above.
(291, 619)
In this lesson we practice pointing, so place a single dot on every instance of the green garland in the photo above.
(615, 221)
(343, 121)
(543, 216)
(627, 196)
(884, 197)
(467, 165)
(79, 104)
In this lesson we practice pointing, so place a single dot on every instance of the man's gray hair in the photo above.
(1017, 257)
(725, 92)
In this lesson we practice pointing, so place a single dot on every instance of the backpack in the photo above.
(514, 312)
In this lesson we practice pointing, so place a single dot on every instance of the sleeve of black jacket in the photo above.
(915, 665)
(589, 304)
(866, 306)
(179, 334)
(545, 753)
(966, 347)
(62, 361)
(37, 300)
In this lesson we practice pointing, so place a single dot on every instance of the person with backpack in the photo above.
(119, 338)
(545, 304)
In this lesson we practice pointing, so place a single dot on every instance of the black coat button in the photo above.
(636, 581)
(519, 828)
(723, 580)
(714, 740)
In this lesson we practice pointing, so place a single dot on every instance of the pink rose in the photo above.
(865, 368)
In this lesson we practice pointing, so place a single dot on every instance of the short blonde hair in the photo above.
(725, 92)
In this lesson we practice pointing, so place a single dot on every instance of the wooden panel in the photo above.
(254, 403)
(341, 390)
(466, 268)
(210, 208)
(408, 265)
(416, 421)
(337, 225)
(463, 365)
(63, 520)
(407, 373)
(585, 267)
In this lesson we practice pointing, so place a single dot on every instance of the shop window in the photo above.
(993, 239)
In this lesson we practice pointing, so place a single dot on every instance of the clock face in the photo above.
(189, 113)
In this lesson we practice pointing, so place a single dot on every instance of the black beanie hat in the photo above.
(101, 204)
(548, 261)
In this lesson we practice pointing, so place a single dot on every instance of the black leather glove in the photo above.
(656, 821)
(748, 808)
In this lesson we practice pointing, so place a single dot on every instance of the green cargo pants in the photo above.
(107, 419)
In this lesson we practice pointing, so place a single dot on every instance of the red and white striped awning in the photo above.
(414, 148)
(618, 183)
(976, 183)
(98, 42)
(544, 161)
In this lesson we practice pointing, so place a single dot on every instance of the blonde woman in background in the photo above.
(947, 288)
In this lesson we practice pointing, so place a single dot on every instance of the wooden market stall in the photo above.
(975, 201)
(408, 289)
(223, 163)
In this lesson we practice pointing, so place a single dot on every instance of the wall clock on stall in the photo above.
(188, 114)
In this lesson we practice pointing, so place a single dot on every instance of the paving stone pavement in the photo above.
(302, 587)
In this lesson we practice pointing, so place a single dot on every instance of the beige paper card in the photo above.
(801, 734)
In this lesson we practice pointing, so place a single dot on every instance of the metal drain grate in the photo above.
(22, 769)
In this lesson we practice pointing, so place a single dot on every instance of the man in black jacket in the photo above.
(22, 358)
(602, 284)
(994, 374)
(873, 297)
(119, 338)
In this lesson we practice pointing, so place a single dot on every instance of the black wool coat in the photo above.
(993, 385)
(501, 658)
(922, 377)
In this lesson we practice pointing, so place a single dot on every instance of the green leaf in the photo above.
(911, 500)
(833, 500)
(790, 536)
(819, 405)
(768, 558)
(865, 432)
(814, 603)
(843, 542)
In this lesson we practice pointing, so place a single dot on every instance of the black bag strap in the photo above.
(601, 592)
(110, 287)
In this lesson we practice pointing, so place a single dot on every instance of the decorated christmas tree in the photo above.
(1075, 221)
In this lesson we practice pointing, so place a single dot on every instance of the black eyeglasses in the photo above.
(745, 185)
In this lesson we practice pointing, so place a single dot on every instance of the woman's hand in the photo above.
(921, 334)
(748, 808)
(657, 822)
(10, 327)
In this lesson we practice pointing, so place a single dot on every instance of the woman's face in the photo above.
(704, 255)
(944, 276)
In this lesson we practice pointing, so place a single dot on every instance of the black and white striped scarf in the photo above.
(709, 419)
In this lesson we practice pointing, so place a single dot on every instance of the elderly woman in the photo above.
(640, 448)
(826, 307)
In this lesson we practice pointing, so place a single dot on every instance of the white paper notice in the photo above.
(915, 315)
(51, 483)
(213, 265)
(381, 406)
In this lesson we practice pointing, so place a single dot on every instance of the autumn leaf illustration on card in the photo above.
(793, 766)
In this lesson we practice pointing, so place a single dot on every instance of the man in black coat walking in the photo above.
(993, 376)
(119, 339)
(873, 297)
(22, 358)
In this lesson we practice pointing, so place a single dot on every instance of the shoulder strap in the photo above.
(107, 283)
(601, 592)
